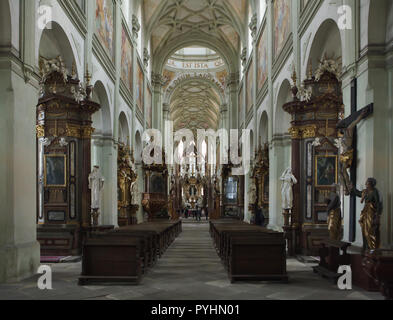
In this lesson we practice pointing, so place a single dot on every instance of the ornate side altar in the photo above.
(231, 197)
(155, 198)
(316, 110)
(128, 195)
(260, 174)
(64, 129)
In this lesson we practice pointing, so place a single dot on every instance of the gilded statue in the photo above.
(370, 219)
(334, 216)
(346, 147)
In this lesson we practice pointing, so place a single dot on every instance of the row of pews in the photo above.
(124, 255)
(250, 252)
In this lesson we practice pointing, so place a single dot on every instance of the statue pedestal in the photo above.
(331, 258)
(378, 265)
(359, 277)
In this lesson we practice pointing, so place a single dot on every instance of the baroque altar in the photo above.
(155, 197)
(64, 129)
(316, 109)
(128, 194)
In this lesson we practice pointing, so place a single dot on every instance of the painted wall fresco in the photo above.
(126, 60)
(139, 88)
(250, 86)
(168, 76)
(262, 59)
(149, 109)
(240, 106)
(104, 23)
(282, 24)
(222, 76)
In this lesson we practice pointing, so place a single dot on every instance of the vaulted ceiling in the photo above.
(220, 23)
(219, 19)
(195, 105)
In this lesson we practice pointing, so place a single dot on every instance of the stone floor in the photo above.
(190, 270)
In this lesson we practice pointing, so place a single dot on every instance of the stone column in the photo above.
(157, 83)
(19, 249)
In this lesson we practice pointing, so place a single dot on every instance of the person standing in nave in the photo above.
(370, 218)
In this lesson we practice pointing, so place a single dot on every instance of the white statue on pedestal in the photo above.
(288, 181)
(96, 184)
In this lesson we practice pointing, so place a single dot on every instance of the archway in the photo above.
(102, 154)
(5, 25)
(326, 43)
(124, 130)
(53, 43)
(264, 129)
(281, 153)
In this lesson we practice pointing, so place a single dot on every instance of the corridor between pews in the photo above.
(190, 269)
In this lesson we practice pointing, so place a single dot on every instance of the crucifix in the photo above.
(347, 145)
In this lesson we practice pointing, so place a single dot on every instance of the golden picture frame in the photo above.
(55, 170)
(326, 170)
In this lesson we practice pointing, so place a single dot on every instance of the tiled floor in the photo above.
(189, 270)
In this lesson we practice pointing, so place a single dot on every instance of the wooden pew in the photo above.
(114, 260)
(125, 254)
(250, 252)
(260, 258)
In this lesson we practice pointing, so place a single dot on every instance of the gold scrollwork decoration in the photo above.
(40, 130)
(86, 132)
(303, 132)
(73, 131)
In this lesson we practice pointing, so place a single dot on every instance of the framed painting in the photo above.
(55, 170)
(282, 24)
(139, 88)
(326, 171)
(250, 86)
(104, 25)
(149, 108)
(126, 60)
(262, 59)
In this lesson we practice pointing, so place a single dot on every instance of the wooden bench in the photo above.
(250, 252)
(113, 260)
(125, 254)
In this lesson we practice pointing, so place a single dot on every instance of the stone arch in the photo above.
(264, 129)
(5, 24)
(53, 42)
(282, 120)
(124, 130)
(102, 121)
(378, 17)
(163, 53)
(138, 147)
(281, 153)
(327, 41)
(252, 145)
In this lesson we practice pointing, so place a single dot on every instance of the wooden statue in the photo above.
(334, 216)
(345, 144)
(371, 214)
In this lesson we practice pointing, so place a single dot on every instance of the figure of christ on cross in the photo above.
(347, 146)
